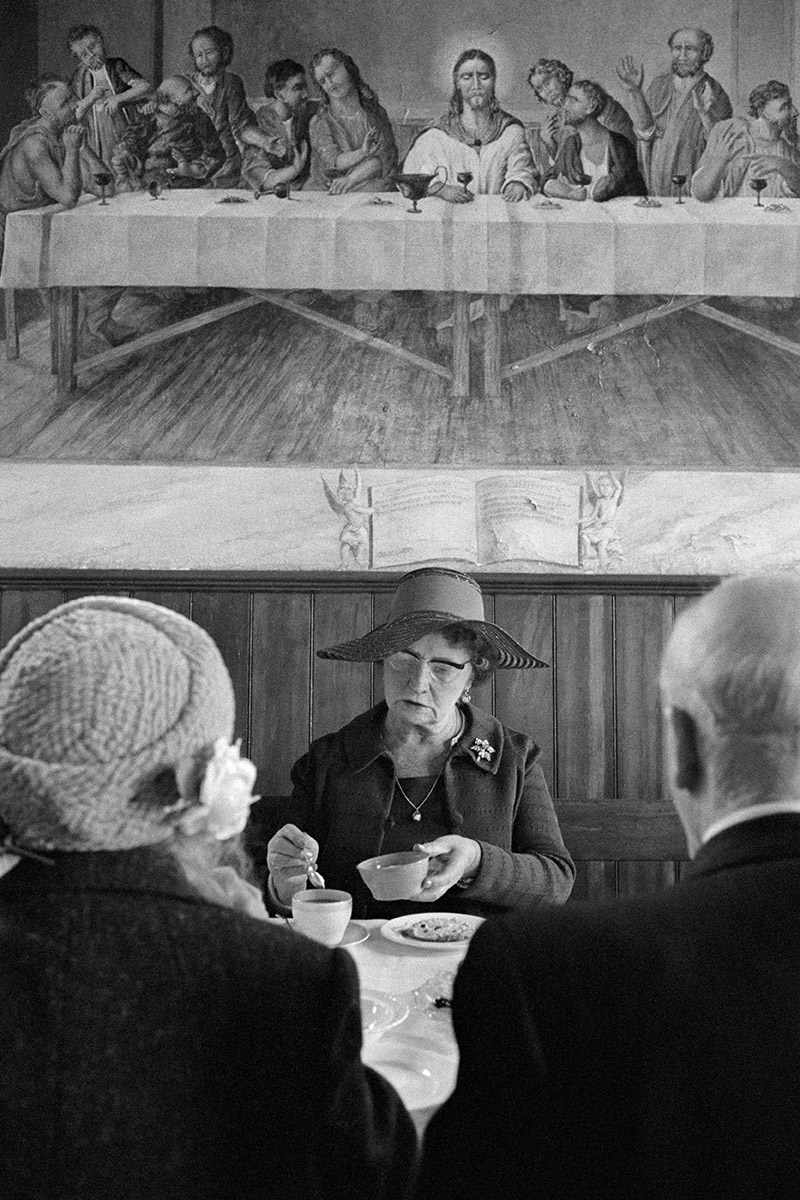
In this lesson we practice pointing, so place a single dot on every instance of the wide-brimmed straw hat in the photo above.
(426, 600)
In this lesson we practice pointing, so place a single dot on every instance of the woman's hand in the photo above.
(452, 858)
(288, 854)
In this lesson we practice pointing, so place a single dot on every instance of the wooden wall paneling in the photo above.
(595, 880)
(226, 617)
(179, 602)
(18, 606)
(641, 878)
(341, 690)
(484, 694)
(281, 686)
(584, 690)
(525, 699)
(381, 603)
(642, 625)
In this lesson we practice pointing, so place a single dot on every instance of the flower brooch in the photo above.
(482, 750)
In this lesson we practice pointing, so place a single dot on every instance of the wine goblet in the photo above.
(102, 179)
(154, 188)
(758, 186)
(679, 181)
(465, 179)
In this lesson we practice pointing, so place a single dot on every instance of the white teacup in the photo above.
(322, 914)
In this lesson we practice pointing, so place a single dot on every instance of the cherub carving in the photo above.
(346, 502)
(598, 533)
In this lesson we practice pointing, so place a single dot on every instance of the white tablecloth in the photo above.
(349, 242)
(419, 1055)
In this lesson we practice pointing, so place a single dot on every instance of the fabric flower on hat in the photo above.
(226, 793)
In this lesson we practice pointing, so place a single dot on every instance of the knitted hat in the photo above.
(425, 601)
(97, 698)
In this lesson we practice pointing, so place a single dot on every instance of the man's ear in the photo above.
(689, 771)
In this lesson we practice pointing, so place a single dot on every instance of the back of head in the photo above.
(101, 700)
(733, 664)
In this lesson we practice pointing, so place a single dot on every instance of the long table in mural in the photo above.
(266, 247)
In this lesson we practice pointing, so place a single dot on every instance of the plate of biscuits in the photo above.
(432, 931)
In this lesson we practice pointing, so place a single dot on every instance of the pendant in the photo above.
(417, 816)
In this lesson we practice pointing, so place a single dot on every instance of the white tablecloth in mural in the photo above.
(192, 239)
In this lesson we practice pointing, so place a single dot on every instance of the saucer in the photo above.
(354, 934)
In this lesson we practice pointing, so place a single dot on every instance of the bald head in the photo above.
(175, 90)
(731, 669)
(742, 635)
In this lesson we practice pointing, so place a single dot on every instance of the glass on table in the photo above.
(679, 180)
(758, 184)
(465, 179)
(102, 179)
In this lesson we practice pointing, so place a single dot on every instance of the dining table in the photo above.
(406, 1016)
(276, 250)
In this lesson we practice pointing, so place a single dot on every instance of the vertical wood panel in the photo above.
(18, 606)
(525, 698)
(584, 697)
(281, 687)
(382, 602)
(641, 878)
(341, 689)
(226, 617)
(594, 881)
(642, 627)
(179, 602)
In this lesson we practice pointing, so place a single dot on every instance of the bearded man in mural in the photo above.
(761, 145)
(475, 138)
(47, 161)
(551, 80)
(675, 117)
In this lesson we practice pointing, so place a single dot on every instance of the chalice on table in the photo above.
(465, 179)
(758, 186)
(102, 179)
(414, 186)
(679, 181)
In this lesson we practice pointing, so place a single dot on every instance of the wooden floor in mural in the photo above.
(266, 386)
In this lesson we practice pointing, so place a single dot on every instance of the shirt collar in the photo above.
(751, 813)
(481, 740)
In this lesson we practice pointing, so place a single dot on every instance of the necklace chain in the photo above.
(416, 815)
(416, 807)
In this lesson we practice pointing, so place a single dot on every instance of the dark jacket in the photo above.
(343, 792)
(623, 178)
(147, 151)
(156, 1045)
(638, 1050)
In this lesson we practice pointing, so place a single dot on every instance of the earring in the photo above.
(466, 696)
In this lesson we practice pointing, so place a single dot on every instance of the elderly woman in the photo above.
(352, 143)
(425, 767)
(144, 1014)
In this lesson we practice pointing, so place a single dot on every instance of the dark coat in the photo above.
(623, 178)
(638, 1050)
(156, 1046)
(344, 789)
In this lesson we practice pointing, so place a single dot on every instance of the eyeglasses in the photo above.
(442, 670)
